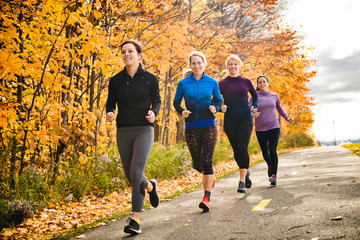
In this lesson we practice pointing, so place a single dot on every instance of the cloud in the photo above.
(338, 79)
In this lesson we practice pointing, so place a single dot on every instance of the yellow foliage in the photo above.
(97, 14)
(54, 76)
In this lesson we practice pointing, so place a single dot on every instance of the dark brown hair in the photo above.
(133, 42)
(257, 81)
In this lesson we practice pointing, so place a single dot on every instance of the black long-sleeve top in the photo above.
(134, 97)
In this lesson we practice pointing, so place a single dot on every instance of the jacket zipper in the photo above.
(128, 86)
(197, 104)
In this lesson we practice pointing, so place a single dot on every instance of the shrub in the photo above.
(14, 212)
(33, 184)
(166, 163)
(4, 215)
(19, 210)
(223, 151)
(108, 173)
(294, 140)
(254, 146)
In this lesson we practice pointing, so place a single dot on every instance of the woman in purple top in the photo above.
(267, 125)
(238, 122)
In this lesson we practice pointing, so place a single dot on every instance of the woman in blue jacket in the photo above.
(202, 100)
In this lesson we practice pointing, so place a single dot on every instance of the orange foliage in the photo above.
(56, 58)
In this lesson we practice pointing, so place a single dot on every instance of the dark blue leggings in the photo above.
(268, 141)
(239, 138)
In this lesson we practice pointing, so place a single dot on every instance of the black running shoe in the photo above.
(133, 227)
(248, 182)
(272, 180)
(241, 188)
(154, 197)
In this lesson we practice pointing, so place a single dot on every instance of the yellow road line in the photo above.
(261, 205)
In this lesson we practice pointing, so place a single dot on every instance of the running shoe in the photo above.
(133, 227)
(248, 182)
(213, 184)
(154, 197)
(205, 204)
(241, 188)
(272, 180)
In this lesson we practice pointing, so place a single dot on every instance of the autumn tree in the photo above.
(57, 57)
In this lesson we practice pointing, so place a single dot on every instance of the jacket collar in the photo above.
(139, 70)
(193, 77)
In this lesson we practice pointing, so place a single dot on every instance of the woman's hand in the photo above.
(151, 116)
(185, 113)
(110, 116)
(212, 109)
(255, 115)
(223, 108)
(253, 110)
(289, 119)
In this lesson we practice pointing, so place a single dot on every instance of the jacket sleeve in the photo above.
(253, 95)
(155, 97)
(111, 100)
(217, 99)
(178, 98)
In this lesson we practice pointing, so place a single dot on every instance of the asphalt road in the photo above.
(317, 197)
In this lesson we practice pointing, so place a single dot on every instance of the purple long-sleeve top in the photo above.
(235, 93)
(268, 103)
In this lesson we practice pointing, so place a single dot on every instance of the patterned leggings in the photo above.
(201, 143)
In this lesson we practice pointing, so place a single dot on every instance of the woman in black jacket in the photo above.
(135, 91)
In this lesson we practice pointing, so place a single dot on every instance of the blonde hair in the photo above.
(194, 53)
(234, 57)
(199, 54)
(225, 73)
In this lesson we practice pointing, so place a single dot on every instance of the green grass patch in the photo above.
(354, 147)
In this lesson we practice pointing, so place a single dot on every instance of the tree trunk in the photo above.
(180, 130)
(156, 131)
(19, 98)
(13, 152)
(167, 108)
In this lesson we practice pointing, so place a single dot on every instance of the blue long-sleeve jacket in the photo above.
(198, 95)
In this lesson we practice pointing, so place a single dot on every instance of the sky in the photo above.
(333, 28)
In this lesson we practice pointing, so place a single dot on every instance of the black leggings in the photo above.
(268, 141)
(239, 137)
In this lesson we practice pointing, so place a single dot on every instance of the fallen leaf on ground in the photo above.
(60, 217)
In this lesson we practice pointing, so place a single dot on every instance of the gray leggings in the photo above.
(134, 144)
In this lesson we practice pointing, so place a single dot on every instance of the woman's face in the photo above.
(129, 55)
(262, 84)
(197, 65)
(233, 67)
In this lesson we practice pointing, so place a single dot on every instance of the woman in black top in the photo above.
(135, 91)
